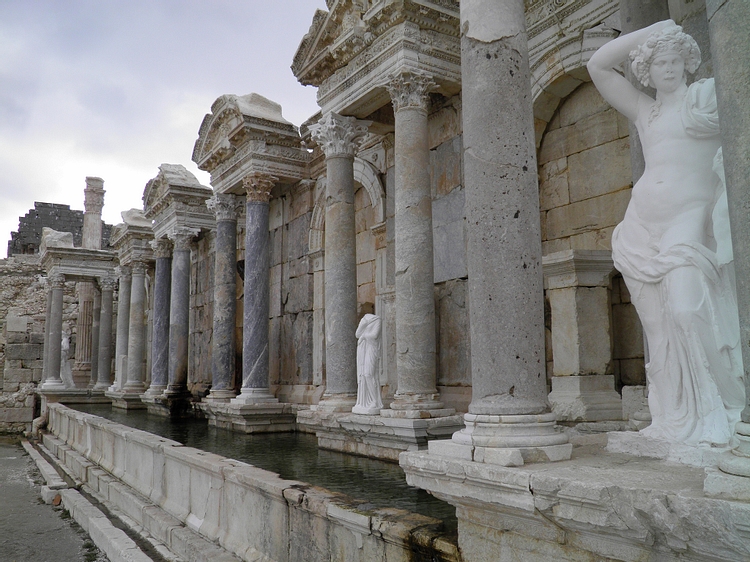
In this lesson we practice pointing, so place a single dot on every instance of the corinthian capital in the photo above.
(94, 195)
(182, 237)
(56, 280)
(224, 206)
(339, 136)
(410, 89)
(258, 186)
(162, 248)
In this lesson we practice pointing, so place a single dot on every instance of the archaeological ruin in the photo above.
(458, 190)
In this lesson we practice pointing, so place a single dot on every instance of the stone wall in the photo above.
(585, 181)
(201, 313)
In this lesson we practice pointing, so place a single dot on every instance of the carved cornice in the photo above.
(224, 206)
(339, 136)
(182, 238)
(258, 186)
(410, 89)
(162, 248)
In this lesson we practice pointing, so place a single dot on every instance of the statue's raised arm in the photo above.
(613, 87)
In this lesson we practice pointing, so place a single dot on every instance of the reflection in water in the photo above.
(293, 456)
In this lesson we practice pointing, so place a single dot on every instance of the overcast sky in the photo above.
(114, 88)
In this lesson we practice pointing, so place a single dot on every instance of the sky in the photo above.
(114, 88)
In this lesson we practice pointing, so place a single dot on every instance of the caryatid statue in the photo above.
(673, 246)
(369, 401)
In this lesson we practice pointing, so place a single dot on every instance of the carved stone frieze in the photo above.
(410, 89)
(339, 136)
(258, 186)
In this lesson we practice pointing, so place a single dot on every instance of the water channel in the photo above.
(293, 456)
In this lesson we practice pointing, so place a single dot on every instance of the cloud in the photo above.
(114, 89)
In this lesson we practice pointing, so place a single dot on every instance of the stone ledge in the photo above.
(596, 505)
(633, 443)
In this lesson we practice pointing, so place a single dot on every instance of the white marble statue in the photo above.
(369, 401)
(673, 247)
(66, 371)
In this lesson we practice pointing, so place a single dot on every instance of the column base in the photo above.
(155, 390)
(260, 417)
(101, 387)
(221, 396)
(511, 440)
(376, 437)
(337, 403)
(125, 400)
(249, 396)
(53, 386)
(169, 405)
(585, 398)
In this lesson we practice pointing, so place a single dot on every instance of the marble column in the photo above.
(123, 325)
(179, 310)
(104, 372)
(509, 408)
(339, 138)
(45, 365)
(84, 324)
(160, 330)
(93, 202)
(730, 48)
(53, 381)
(415, 300)
(225, 295)
(255, 381)
(136, 330)
(95, 326)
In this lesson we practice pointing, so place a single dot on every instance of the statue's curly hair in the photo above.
(670, 38)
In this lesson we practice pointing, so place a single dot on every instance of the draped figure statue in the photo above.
(369, 401)
(673, 246)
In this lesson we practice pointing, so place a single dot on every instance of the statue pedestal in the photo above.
(376, 436)
(260, 417)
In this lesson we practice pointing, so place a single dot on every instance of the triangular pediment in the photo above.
(235, 119)
(336, 37)
(171, 178)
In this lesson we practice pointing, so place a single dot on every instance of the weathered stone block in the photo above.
(365, 272)
(632, 371)
(366, 293)
(445, 165)
(628, 333)
(453, 334)
(590, 214)
(301, 204)
(16, 323)
(552, 246)
(593, 240)
(37, 337)
(275, 214)
(585, 102)
(300, 266)
(23, 351)
(16, 415)
(18, 375)
(553, 184)
(17, 337)
(449, 238)
(599, 170)
(365, 247)
(443, 125)
(298, 294)
(297, 232)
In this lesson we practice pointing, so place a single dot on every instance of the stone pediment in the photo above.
(351, 50)
(174, 198)
(131, 238)
(244, 134)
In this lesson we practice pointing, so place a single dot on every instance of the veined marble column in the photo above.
(123, 325)
(104, 371)
(136, 330)
(179, 310)
(53, 381)
(509, 408)
(95, 327)
(160, 330)
(225, 294)
(339, 138)
(255, 383)
(415, 300)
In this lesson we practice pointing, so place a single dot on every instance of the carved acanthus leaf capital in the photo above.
(162, 248)
(107, 283)
(123, 272)
(339, 136)
(138, 265)
(410, 89)
(93, 195)
(182, 237)
(258, 186)
(56, 280)
(224, 206)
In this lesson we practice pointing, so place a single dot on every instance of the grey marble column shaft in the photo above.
(136, 330)
(123, 326)
(225, 294)
(179, 310)
(339, 137)
(104, 373)
(45, 366)
(504, 253)
(415, 300)
(730, 47)
(160, 323)
(95, 327)
(54, 381)
(255, 376)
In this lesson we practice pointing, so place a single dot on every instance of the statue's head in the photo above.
(662, 44)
